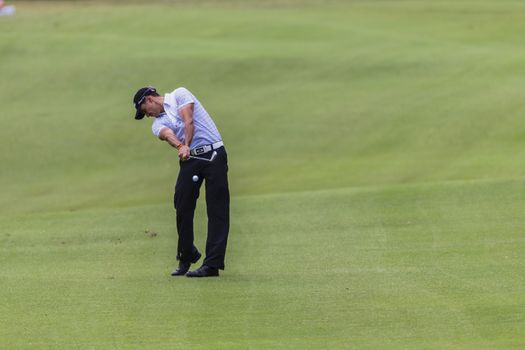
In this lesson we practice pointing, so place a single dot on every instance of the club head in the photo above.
(213, 156)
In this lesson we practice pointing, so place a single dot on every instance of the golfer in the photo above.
(181, 121)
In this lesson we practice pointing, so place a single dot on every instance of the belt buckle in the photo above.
(199, 150)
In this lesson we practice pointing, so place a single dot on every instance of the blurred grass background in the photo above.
(346, 94)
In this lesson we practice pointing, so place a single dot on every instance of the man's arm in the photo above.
(186, 113)
(169, 136)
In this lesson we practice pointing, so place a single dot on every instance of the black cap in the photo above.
(139, 98)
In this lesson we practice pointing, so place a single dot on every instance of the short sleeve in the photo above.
(183, 97)
(156, 127)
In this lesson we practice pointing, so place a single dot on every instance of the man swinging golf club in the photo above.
(181, 121)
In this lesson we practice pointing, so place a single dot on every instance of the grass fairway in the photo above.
(376, 165)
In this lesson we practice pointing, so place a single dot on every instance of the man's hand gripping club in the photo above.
(169, 136)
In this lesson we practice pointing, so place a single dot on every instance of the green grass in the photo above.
(376, 174)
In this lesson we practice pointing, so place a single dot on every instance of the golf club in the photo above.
(213, 155)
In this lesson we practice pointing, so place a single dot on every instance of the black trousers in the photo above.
(217, 205)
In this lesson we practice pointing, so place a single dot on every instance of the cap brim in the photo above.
(139, 115)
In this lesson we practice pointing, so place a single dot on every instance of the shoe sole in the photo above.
(200, 276)
(178, 274)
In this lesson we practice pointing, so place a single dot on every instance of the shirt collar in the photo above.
(169, 101)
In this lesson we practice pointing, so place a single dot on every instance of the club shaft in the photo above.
(214, 154)
(200, 158)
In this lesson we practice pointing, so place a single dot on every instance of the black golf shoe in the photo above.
(185, 266)
(182, 269)
(204, 271)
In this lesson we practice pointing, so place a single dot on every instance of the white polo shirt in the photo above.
(205, 131)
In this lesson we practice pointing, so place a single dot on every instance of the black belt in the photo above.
(206, 148)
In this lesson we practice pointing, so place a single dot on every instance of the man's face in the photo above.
(150, 107)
